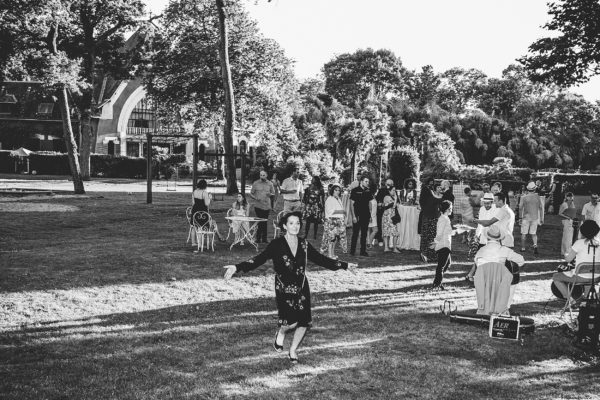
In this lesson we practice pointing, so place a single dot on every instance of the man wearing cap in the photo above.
(532, 215)
(495, 252)
(486, 212)
(504, 217)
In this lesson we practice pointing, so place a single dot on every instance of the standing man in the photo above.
(486, 212)
(591, 210)
(359, 207)
(292, 190)
(504, 217)
(262, 193)
(531, 211)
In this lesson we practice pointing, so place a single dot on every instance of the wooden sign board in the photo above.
(504, 327)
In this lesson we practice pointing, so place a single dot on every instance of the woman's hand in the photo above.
(352, 268)
(231, 269)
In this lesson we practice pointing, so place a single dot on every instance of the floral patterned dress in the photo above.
(292, 292)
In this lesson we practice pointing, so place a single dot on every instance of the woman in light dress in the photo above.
(240, 209)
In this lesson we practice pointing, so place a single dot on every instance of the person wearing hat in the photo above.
(290, 254)
(584, 250)
(531, 210)
(504, 217)
(486, 212)
(495, 252)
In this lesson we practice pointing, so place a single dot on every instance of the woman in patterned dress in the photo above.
(334, 225)
(313, 205)
(290, 254)
(389, 229)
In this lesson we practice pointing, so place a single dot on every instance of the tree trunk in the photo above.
(70, 142)
(85, 145)
(229, 99)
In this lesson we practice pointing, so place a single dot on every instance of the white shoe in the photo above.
(380, 244)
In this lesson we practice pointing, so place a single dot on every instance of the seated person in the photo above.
(495, 252)
(201, 199)
(583, 251)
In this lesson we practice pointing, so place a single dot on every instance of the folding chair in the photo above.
(204, 227)
(188, 216)
(276, 228)
(582, 276)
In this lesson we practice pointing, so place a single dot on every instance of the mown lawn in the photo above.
(108, 302)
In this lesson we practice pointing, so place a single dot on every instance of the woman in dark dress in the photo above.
(430, 202)
(292, 293)
(314, 200)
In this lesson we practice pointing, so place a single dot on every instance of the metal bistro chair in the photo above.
(204, 228)
(276, 228)
(582, 275)
(188, 216)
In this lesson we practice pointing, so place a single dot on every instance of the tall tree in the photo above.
(183, 71)
(229, 97)
(352, 77)
(91, 35)
(572, 54)
(38, 31)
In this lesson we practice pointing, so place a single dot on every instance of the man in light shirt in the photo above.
(505, 217)
(486, 212)
(262, 193)
(531, 211)
(591, 210)
(292, 190)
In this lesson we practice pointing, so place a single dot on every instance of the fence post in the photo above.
(149, 169)
(195, 162)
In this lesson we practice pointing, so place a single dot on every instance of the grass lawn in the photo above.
(102, 299)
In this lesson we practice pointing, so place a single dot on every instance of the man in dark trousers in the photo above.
(359, 200)
(381, 193)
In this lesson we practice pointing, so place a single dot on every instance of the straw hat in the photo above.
(488, 197)
(494, 233)
(531, 186)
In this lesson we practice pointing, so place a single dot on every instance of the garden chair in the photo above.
(582, 275)
(276, 229)
(188, 216)
(204, 228)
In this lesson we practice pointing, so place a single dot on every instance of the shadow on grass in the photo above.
(221, 349)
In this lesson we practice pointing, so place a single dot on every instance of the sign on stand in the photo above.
(504, 327)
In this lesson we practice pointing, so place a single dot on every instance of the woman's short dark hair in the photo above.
(202, 184)
(333, 187)
(445, 205)
(589, 229)
(284, 219)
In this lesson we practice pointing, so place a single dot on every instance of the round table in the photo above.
(247, 235)
(408, 228)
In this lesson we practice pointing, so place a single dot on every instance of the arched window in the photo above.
(142, 119)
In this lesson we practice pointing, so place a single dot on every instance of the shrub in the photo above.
(109, 166)
(404, 163)
(49, 163)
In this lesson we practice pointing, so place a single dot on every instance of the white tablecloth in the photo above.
(346, 205)
(408, 238)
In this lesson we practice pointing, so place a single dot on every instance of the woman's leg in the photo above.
(298, 337)
(395, 242)
(386, 241)
(331, 250)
